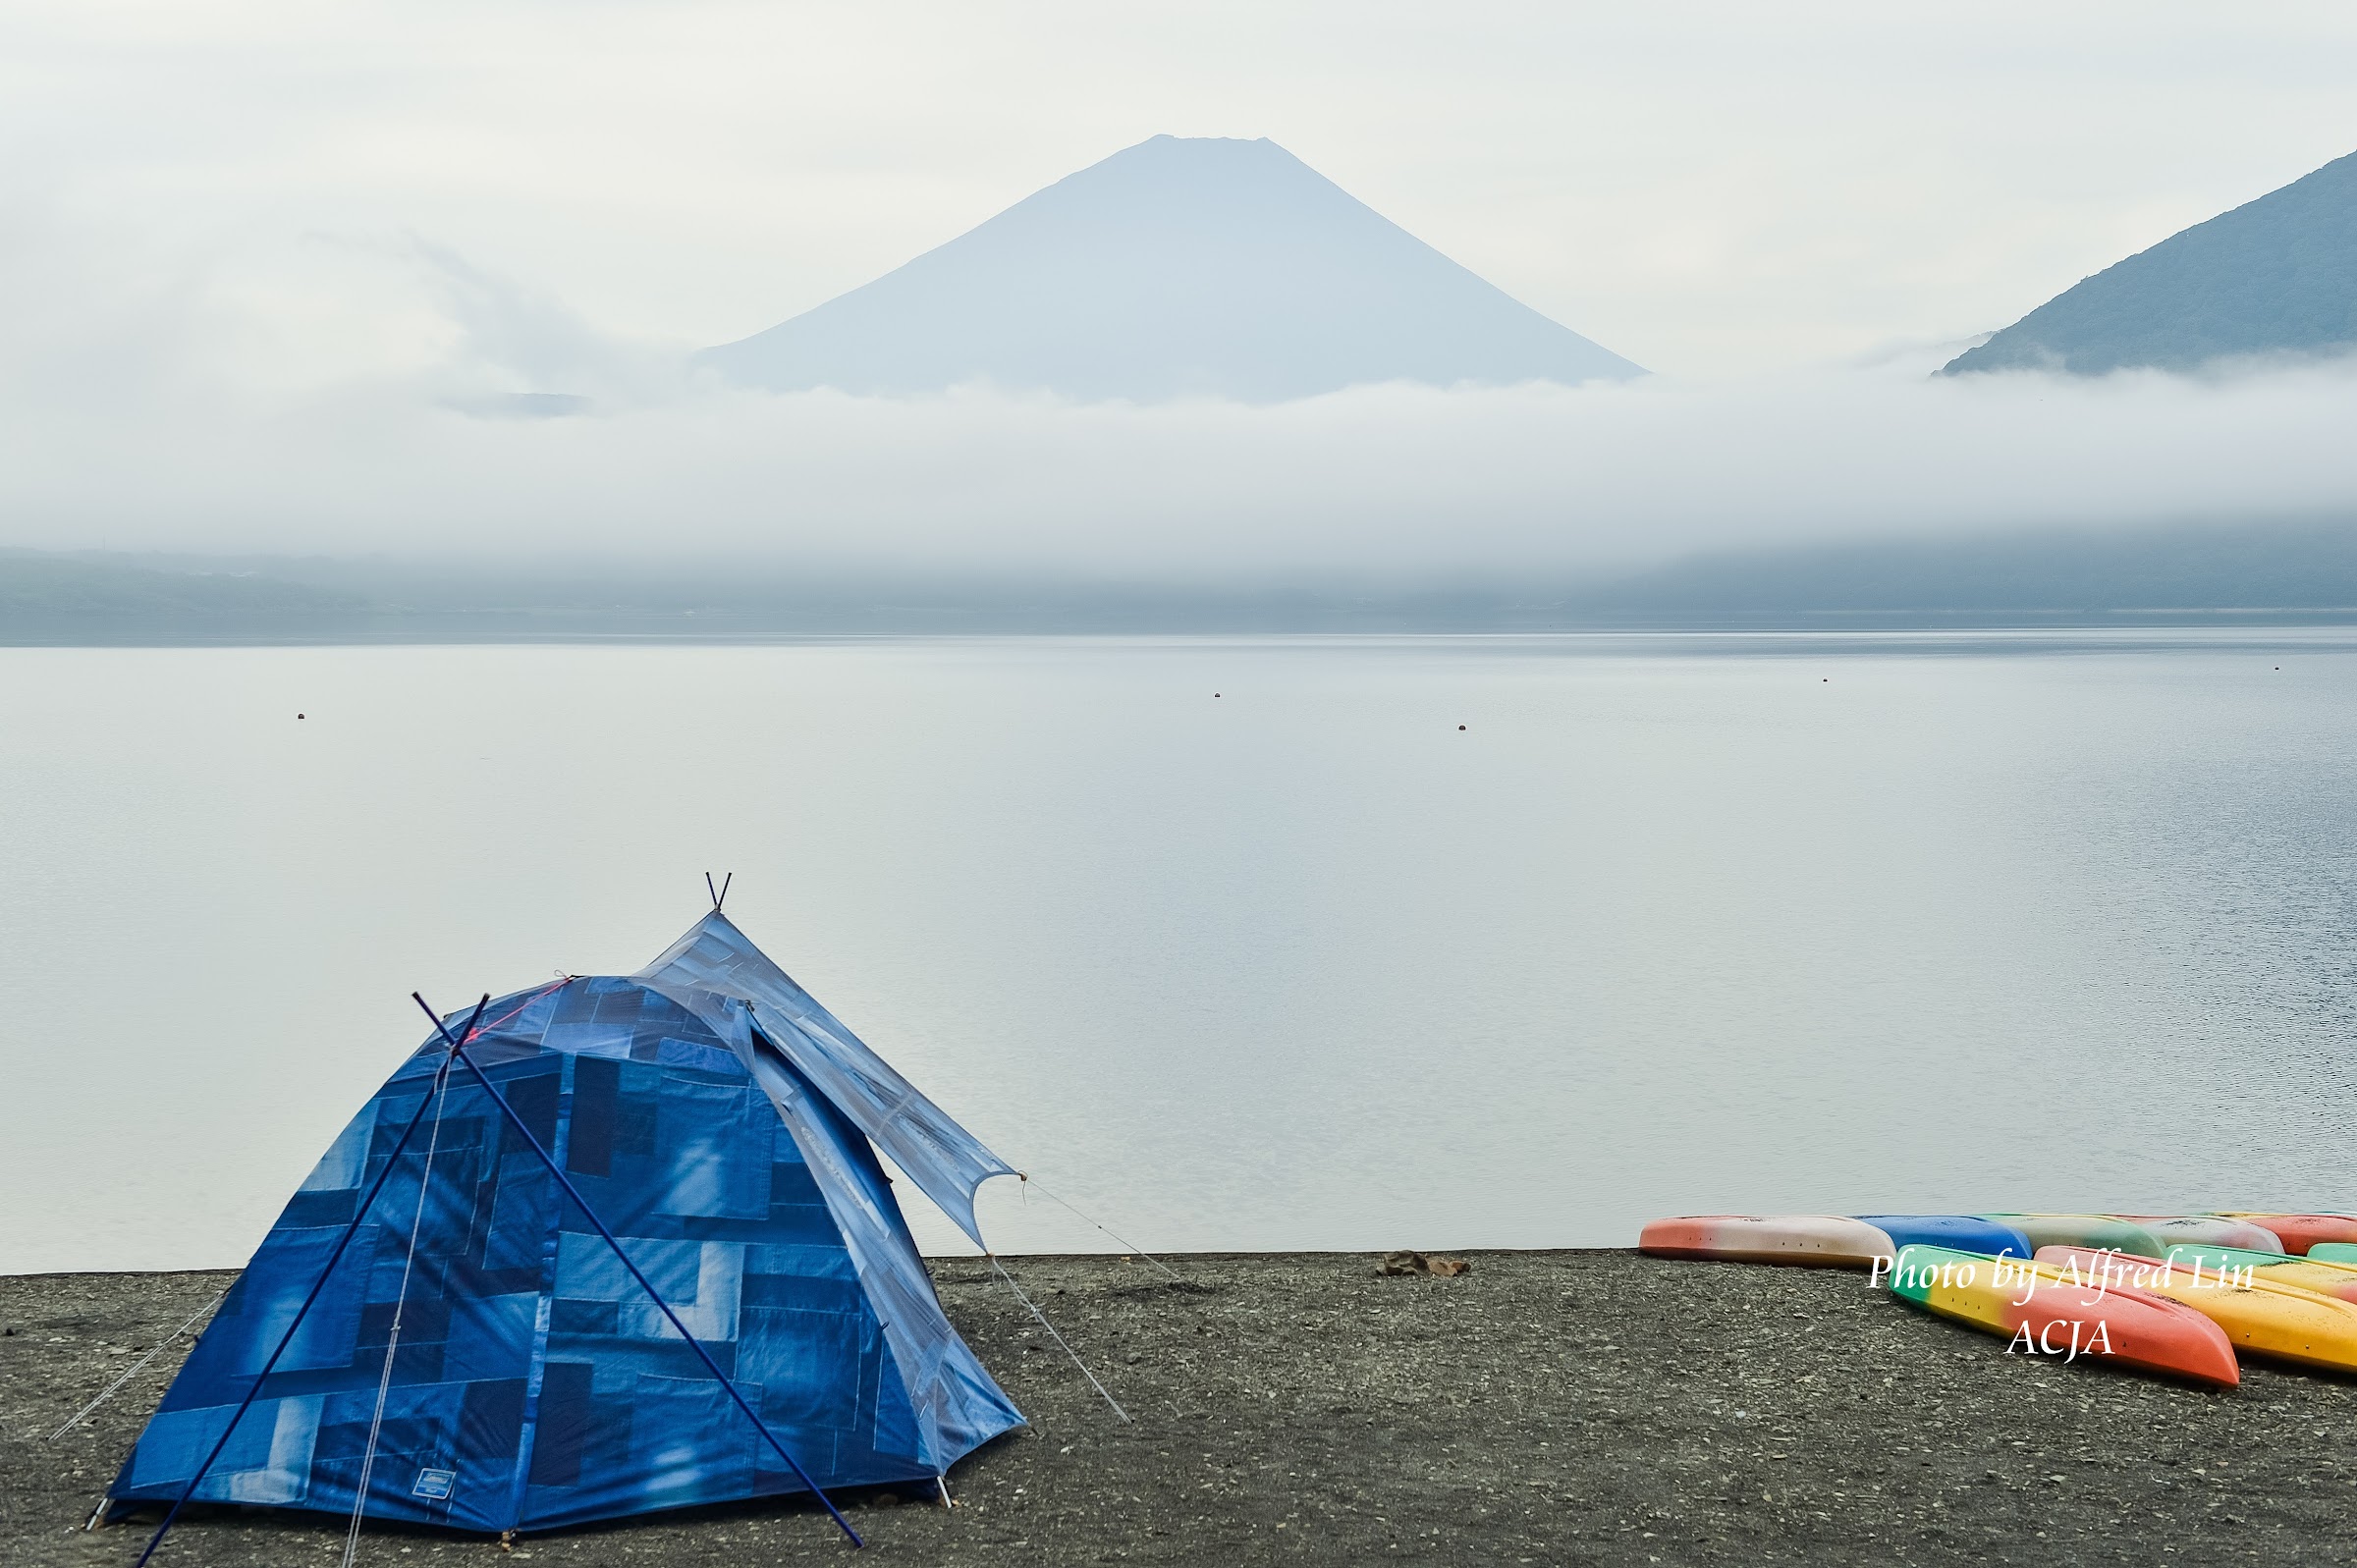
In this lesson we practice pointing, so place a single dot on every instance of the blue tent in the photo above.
(723, 1126)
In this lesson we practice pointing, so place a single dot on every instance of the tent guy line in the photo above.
(1031, 1184)
(109, 1391)
(401, 1307)
(1060, 1341)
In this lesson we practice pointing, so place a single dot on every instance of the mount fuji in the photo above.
(1179, 267)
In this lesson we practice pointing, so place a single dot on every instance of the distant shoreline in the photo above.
(2181, 575)
(494, 631)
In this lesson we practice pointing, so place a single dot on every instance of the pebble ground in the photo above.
(1563, 1407)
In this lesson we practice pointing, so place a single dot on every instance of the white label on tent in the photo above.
(434, 1483)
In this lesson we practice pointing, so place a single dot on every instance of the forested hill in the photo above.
(2277, 276)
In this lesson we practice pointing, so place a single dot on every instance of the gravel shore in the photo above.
(1557, 1407)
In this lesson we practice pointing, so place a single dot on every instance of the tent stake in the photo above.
(458, 1053)
(318, 1285)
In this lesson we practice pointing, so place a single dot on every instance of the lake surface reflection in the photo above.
(1403, 941)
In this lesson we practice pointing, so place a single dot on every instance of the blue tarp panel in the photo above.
(716, 960)
(536, 1383)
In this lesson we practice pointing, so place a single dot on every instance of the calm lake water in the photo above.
(1669, 925)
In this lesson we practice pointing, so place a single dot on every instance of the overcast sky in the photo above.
(299, 204)
(1701, 186)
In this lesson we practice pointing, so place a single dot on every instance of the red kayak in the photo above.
(2299, 1232)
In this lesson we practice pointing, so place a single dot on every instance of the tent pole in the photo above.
(318, 1285)
(458, 1053)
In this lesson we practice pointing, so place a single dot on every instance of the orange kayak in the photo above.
(2044, 1311)
(1823, 1241)
(2260, 1319)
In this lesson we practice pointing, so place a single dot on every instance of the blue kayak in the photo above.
(1959, 1232)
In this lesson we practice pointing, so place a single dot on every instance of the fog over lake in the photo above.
(1671, 924)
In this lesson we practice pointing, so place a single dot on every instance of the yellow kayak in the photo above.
(2260, 1318)
(2325, 1279)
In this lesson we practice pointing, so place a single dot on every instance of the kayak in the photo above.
(2264, 1320)
(2083, 1230)
(1964, 1232)
(2208, 1230)
(2299, 1232)
(2332, 1252)
(2045, 1313)
(2325, 1279)
(1826, 1241)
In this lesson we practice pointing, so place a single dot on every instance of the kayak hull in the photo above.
(2042, 1312)
(2084, 1231)
(1963, 1232)
(2301, 1273)
(2207, 1231)
(2260, 1319)
(2299, 1232)
(1821, 1241)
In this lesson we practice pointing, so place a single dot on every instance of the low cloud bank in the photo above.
(391, 398)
